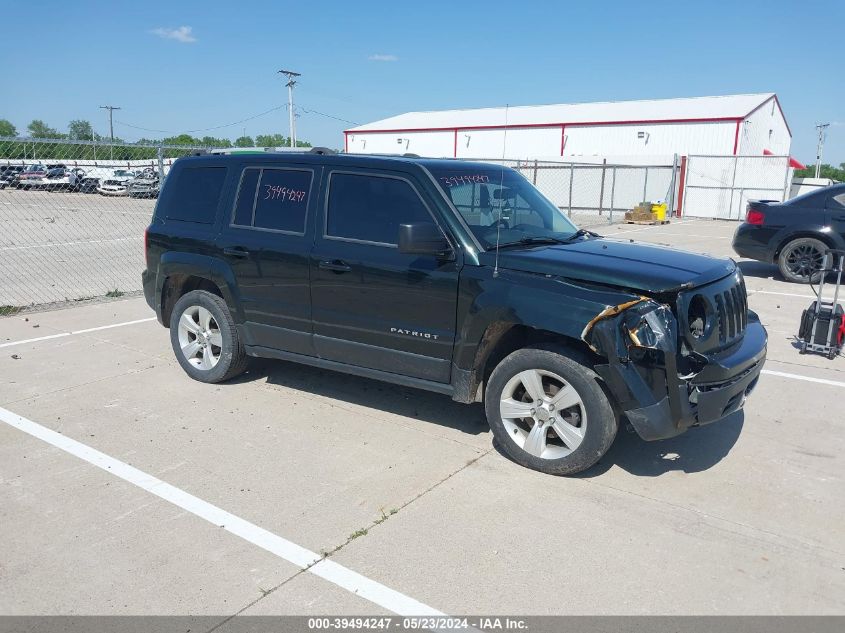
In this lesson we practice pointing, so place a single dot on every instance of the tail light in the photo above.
(753, 216)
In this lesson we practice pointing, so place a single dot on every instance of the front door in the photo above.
(372, 305)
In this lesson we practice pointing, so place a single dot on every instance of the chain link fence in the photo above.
(595, 195)
(73, 215)
(721, 186)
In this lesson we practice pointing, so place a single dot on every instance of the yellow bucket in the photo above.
(659, 211)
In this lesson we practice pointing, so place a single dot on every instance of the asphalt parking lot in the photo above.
(200, 499)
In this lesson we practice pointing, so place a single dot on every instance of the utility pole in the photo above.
(111, 109)
(290, 84)
(821, 128)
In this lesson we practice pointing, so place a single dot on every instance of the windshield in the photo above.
(123, 172)
(498, 203)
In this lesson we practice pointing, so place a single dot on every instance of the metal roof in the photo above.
(729, 108)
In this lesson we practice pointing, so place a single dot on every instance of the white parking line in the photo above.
(821, 381)
(303, 558)
(63, 334)
(650, 226)
(49, 244)
(788, 294)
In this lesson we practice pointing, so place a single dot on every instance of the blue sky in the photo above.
(363, 61)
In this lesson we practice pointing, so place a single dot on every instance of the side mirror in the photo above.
(422, 238)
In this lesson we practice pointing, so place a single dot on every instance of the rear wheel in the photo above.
(801, 260)
(548, 412)
(204, 338)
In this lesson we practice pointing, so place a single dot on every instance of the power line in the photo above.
(218, 127)
(328, 116)
(206, 129)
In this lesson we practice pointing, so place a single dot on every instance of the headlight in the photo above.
(698, 317)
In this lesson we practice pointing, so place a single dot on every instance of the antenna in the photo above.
(290, 84)
(501, 186)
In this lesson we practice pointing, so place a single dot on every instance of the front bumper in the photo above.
(659, 404)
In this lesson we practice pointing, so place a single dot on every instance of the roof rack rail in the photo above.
(322, 151)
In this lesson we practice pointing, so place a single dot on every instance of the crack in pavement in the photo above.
(361, 532)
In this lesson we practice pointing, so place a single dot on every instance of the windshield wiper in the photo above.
(532, 241)
(536, 240)
(579, 233)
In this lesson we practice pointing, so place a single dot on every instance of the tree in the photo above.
(182, 139)
(244, 141)
(38, 129)
(826, 171)
(277, 140)
(7, 129)
(210, 141)
(79, 130)
(272, 140)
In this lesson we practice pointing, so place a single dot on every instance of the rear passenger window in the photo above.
(371, 208)
(274, 199)
(196, 194)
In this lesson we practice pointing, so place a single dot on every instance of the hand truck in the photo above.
(822, 328)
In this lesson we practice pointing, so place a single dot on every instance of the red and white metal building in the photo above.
(738, 125)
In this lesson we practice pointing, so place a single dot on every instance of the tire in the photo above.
(208, 348)
(800, 259)
(581, 432)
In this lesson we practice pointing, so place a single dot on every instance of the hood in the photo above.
(634, 265)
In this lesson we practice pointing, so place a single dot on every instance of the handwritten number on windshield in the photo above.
(464, 179)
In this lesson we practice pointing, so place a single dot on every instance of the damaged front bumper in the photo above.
(660, 398)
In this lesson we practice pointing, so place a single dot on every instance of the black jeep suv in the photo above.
(456, 277)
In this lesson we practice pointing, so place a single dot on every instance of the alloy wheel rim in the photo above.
(804, 260)
(199, 338)
(543, 414)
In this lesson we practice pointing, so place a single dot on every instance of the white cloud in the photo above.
(383, 58)
(180, 34)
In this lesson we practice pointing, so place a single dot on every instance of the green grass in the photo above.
(9, 310)
(357, 533)
(114, 293)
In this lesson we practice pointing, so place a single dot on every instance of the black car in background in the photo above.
(794, 234)
(8, 175)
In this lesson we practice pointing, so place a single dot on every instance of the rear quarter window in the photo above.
(195, 195)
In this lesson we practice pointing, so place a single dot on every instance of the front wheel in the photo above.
(548, 411)
(801, 260)
(204, 338)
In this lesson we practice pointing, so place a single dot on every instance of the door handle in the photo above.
(335, 265)
(236, 251)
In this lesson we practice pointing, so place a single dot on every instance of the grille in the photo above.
(725, 304)
(732, 313)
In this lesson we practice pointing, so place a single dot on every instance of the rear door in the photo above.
(374, 306)
(266, 244)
